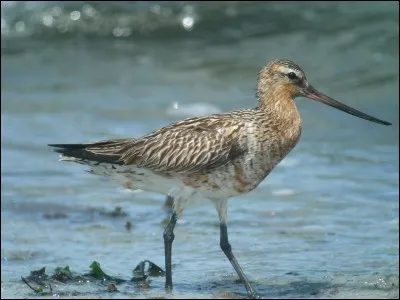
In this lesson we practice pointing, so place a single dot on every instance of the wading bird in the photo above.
(214, 157)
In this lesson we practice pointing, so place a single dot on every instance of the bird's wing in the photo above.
(106, 151)
(188, 146)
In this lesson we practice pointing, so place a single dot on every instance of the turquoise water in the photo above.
(323, 224)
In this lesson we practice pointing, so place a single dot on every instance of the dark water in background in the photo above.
(78, 72)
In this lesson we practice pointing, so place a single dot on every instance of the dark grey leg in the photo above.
(169, 204)
(168, 239)
(226, 247)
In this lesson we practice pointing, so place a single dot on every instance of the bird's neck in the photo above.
(279, 112)
(277, 104)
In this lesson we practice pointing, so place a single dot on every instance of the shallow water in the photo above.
(323, 224)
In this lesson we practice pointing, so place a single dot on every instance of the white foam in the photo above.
(283, 192)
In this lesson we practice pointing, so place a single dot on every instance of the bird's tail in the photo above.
(103, 151)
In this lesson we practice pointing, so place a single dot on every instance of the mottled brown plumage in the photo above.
(216, 156)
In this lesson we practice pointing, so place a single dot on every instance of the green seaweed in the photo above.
(38, 276)
(154, 270)
(98, 273)
(140, 273)
(36, 290)
(62, 274)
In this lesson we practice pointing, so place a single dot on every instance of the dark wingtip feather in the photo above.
(83, 152)
(67, 146)
(67, 149)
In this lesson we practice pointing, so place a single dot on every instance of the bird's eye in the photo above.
(292, 75)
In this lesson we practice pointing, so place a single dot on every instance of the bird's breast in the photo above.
(244, 173)
(262, 157)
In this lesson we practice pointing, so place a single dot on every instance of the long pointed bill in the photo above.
(313, 94)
